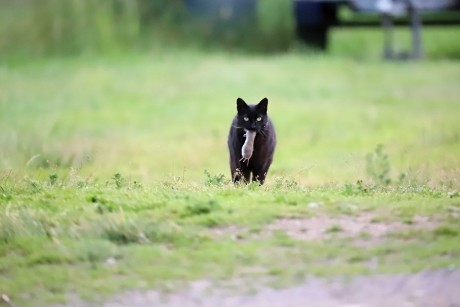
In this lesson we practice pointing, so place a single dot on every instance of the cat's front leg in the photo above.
(259, 174)
(242, 173)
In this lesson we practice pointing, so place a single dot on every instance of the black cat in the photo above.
(251, 120)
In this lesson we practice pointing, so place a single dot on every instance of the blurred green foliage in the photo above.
(29, 27)
(53, 26)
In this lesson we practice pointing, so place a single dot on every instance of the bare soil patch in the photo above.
(367, 225)
(366, 229)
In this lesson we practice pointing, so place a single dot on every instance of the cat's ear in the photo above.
(241, 105)
(263, 105)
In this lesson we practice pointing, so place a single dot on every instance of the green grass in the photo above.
(114, 175)
(100, 239)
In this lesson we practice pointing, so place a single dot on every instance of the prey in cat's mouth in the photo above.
(248, 146)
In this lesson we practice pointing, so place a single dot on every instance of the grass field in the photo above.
(114, 171)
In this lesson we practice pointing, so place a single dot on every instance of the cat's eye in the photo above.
(259, 119)
(246, 119)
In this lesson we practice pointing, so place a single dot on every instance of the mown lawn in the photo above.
(114, 175)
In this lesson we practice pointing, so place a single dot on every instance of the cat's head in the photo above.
(252, 117)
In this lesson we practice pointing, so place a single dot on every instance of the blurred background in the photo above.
(50, 27)
(148, 87)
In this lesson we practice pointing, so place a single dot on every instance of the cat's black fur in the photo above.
(264, 143)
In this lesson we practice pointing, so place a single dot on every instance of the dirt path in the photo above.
(432, 288)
